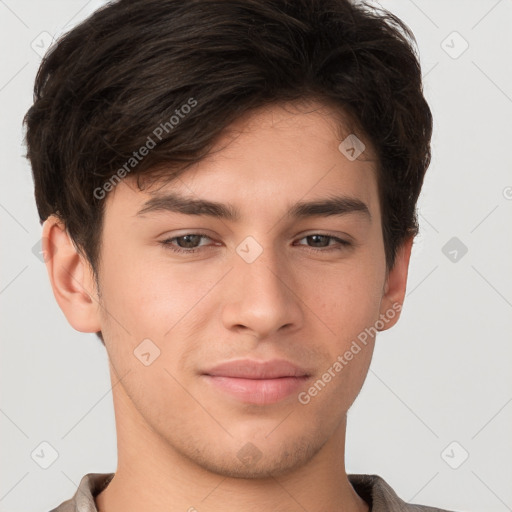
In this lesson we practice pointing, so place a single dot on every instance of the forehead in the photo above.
(275, 154)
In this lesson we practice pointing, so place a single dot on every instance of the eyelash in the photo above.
(167, 243)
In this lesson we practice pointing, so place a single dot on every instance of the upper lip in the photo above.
(252, 369)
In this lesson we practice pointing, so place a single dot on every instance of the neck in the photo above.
(153, 476)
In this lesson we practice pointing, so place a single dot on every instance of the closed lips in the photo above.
(247, 369)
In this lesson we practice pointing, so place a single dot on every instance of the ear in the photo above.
(394, 288)
(71, 277)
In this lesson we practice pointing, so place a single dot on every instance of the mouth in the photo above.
(257, 382)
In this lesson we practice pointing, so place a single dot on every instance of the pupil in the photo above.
(189, 240)
(316, 239)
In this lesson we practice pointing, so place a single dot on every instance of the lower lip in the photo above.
(258, 391)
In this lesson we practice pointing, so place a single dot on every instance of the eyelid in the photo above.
(343, 242)
(212, 235)
(338, 234)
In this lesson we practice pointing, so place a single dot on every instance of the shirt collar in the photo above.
(372, 488)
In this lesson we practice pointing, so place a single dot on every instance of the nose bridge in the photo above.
(260, 269)
(262, 299)
(265, 273)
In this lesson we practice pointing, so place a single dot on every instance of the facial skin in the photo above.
(180, 437)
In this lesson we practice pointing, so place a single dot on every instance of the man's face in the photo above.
(263, 287)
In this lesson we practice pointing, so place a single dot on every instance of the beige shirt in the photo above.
(372, 488)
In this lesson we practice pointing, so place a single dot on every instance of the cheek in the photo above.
(347, 299)
(348, 304)
(149, 294)
(163, 302)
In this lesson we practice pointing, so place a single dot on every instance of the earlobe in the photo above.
(71, 278)
(395, 286)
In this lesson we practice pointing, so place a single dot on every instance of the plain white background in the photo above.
(439, 388)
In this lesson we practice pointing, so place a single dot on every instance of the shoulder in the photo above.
(382, 498)
(83, 499)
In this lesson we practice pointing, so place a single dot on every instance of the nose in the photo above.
(262, 296)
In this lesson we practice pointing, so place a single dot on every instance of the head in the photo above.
(243, 104)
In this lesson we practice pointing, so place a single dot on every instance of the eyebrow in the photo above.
(172, 202)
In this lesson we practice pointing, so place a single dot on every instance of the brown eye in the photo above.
(321, 243)
(187, 243)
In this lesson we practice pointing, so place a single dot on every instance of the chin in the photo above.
(256, 460)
